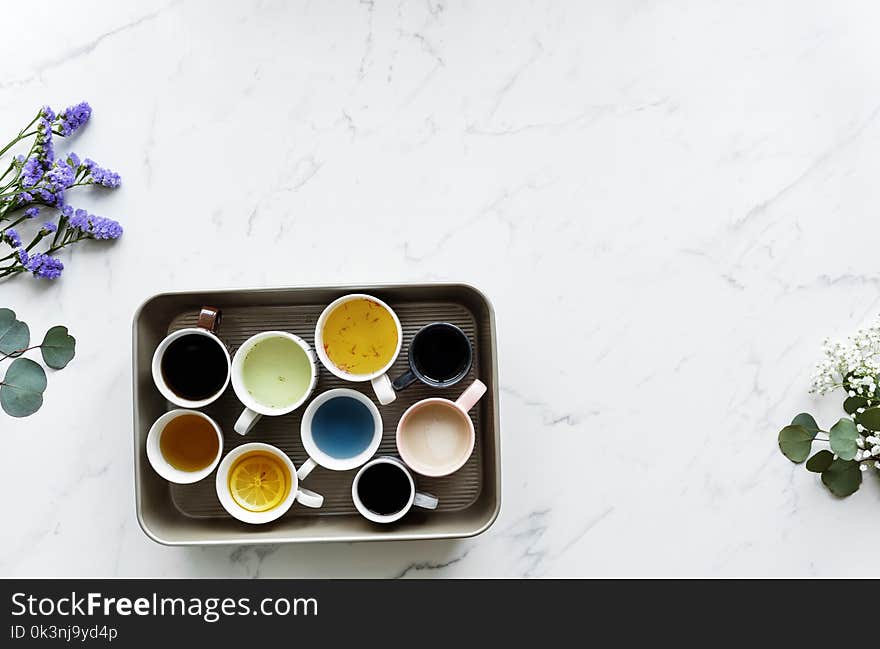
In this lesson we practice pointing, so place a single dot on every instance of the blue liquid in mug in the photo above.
(343, 427)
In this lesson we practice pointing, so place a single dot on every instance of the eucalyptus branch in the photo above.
(22, 387)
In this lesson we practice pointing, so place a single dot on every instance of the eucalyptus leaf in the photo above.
(870, 419)
(21, 390)
(820, 461)
(851, 404)
(7, 317)
(843, 437)
(806, 420)
(795, 442)
(842, 477)
(58, 347)
(14, 334)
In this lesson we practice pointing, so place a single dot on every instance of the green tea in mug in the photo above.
(277, 372)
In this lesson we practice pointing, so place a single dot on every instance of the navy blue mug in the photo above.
(440, 355)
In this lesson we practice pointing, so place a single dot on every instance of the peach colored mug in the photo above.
(435, 437)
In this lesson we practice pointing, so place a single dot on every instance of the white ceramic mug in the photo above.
(295, 493)
(435, 437)
(253, 409)
(379, 379)
(209, 320)
(415, 499)
(317, 456)
(162, 466)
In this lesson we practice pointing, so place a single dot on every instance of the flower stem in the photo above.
(17, 267)
(8, 169)
(12, 205)
(13, 193)
(22, 134)
(16, 222)
(62, 227)
(18, 353)
(39, 236)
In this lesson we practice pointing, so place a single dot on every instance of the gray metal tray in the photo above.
(192, 515)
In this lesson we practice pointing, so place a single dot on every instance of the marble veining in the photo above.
(670, 205)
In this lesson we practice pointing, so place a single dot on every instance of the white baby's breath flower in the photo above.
(863, 467)
(860, 441)
(855, 362)
(858, 457)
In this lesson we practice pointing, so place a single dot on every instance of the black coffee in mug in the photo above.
(440, 355)
(384, 488)
(441, 352)
(194, 367)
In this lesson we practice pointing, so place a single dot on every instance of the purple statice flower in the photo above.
(67, 211)
(11, 237)
(22, 256)
(60, 176)
(24, 197)
(104, 228)
(101, 176)
(73, 117)
(97, 227)
(45, 266)
(31, 172)
(45, 146)
(73, 160)
(79, 219)
(50, 198)
(32, 212)
(48, 227)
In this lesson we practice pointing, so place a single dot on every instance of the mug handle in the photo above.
(246, 420)
(383, 389)
(309, 498)
(425, 501)
(404, 380)
(469, 397)
(209, 318)
(307, 467)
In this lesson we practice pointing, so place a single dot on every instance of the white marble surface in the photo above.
(670, 203)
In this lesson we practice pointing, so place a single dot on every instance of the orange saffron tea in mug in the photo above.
(189, 443)
(360, 336)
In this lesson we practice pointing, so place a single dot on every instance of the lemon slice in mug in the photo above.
(258, 482)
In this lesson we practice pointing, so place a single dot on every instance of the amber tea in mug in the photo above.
(184, 446)
(189, 443)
